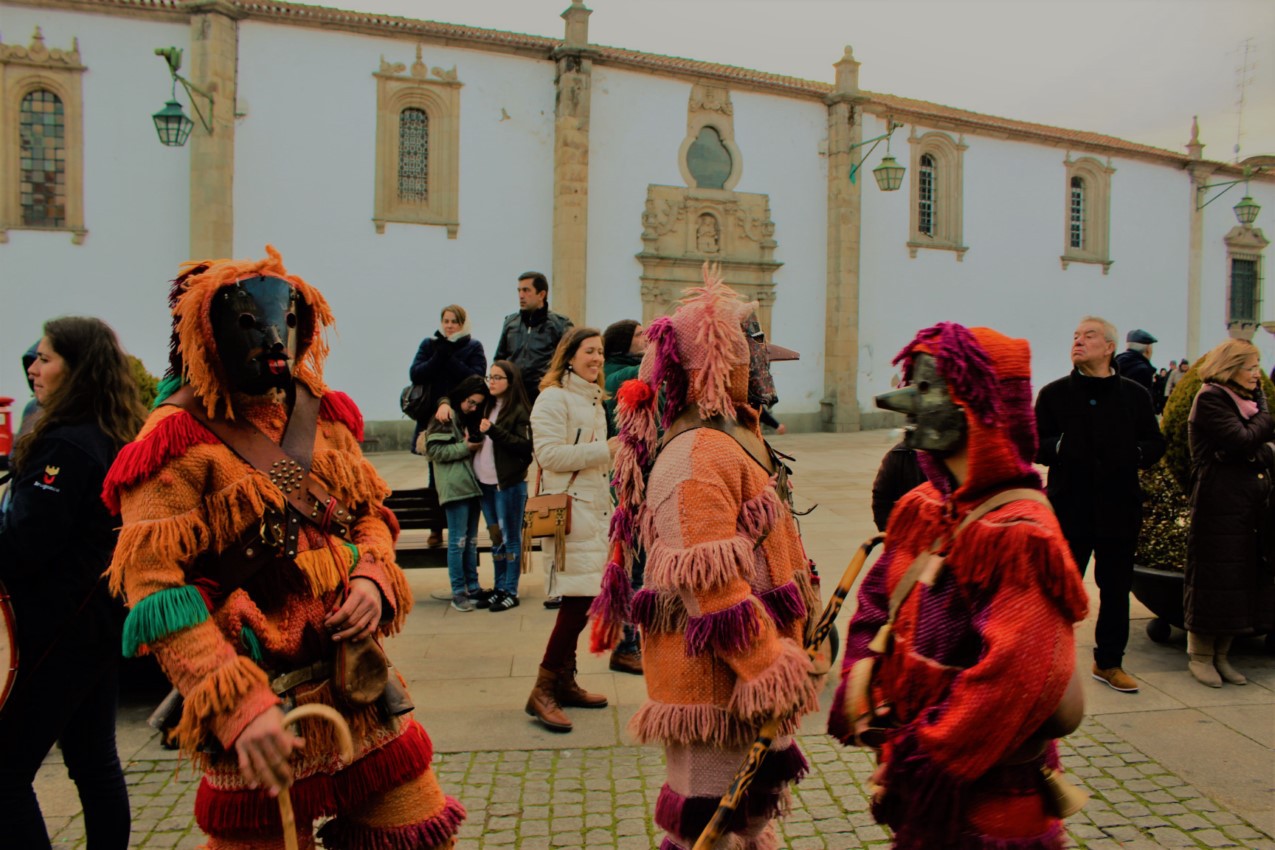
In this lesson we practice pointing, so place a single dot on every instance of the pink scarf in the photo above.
(1247, 408)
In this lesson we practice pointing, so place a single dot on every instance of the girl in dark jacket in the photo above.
(501, 465)
(1229, 589)
(56, 540)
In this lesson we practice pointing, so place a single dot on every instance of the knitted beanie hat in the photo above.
(989, 374)
(193, 357)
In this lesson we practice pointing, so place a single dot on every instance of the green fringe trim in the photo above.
(166, 387)
(250, 642)
(162, 613)
(354, 554)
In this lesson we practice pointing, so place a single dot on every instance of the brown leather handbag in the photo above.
(360, 671)
(547, 515)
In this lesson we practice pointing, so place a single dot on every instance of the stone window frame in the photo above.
(24, 70)
(1245, 243)
(710, 106)
(439, 98)
(948, 180)
(1095, 178)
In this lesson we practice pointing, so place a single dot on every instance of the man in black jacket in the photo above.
(1135, 362)
(530, 336)
(1097, 429)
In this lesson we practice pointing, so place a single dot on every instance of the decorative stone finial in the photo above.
(847, 73)
(1194, 148)
(577, 18)
(419, 69)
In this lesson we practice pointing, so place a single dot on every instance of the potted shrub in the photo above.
(1161, 555)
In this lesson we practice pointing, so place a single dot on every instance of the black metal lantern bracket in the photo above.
(890, 127)
(1247, 209)
(173, 57)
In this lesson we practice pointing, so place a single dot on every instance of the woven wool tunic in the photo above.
(722, 612)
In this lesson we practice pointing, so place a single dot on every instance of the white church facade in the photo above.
(403, 165)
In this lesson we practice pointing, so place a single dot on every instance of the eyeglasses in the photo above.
(497, 378)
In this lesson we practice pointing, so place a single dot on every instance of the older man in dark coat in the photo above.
(1134, 362)
(1097, 429)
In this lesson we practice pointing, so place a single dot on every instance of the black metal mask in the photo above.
(761, 384)
(255, 328)
(936, 423)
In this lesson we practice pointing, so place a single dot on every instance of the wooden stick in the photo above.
(346, 743)
(757, 753)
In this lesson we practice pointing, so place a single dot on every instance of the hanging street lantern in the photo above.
(1246, 211)
(889, 174)
(172, 125)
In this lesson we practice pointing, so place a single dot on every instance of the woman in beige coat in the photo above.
(569, 435)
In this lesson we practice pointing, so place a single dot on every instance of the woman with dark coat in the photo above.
(1229, 586)
(56, 540)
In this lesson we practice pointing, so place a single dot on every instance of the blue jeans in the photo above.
(504, 507)
(629, 643)
(462, 545)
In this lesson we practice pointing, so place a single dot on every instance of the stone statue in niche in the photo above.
(708, 235)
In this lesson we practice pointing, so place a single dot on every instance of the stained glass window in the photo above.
(926, 195)
(1243, 290)
(1077, 219)
(413, 156)
(42, 155)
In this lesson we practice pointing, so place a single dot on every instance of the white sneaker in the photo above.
(461, 603)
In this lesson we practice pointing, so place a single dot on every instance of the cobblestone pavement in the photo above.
(603, 798)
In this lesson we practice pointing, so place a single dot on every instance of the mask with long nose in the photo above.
(936, 423)
(255, 328)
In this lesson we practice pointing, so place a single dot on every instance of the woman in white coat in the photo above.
(569, 436)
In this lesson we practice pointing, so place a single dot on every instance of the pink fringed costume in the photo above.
(186, 499)
(981, 658)
(727, 592)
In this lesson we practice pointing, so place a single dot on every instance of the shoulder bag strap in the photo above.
(305, 494)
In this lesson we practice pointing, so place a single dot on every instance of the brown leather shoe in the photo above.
(627, 662)
(1116, 679)
(543, 703)
(434, 540)
(572, 695)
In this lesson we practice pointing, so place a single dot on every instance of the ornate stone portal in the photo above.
(683, 227)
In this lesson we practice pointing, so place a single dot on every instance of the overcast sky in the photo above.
(1137, 69)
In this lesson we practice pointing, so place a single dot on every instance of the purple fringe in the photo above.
(729, 631)
(615, 598)
(670, 844)
(927, 812)
(642, 609)
(785, 604)
(686, 817)
(437, 831)
(668, 368)
(966, 367)
(621, 526)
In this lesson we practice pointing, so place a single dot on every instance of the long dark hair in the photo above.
(98, 385)
(515, 399)
(469, 385)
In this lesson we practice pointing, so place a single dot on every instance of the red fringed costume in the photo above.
(981, 658)
(185, 499)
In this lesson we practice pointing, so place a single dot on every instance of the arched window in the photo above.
(42, 166)
(413, 155)
(1245, 246)
(1087, 226)
(1077, 219)
(925, 196)
(938, 163)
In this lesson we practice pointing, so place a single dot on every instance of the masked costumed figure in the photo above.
(727, 592)
(257, 560)
(959, 658)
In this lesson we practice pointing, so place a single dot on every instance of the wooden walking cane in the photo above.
(322, 712)
(752, 762)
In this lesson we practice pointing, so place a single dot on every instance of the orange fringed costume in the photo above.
(185, 498)
(727, 593)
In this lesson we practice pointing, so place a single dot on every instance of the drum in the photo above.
(8, 646)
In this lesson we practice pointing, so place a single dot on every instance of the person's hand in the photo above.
(474, 448)
(359, 615)
(444, 412)
(263, 748)
(782, 429)
(484, 425)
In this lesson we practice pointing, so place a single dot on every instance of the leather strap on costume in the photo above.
(286, 466)
(690, 420)
(925, 568)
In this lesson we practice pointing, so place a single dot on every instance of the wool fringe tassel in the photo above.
(658, 722)
(175, 432)
(699, 567)
(336, 406)
(686, 817)
(319, 795)
(611, 608)
(729, 631)
(785, 603)
(160, 614)
(758, 515)
(656, 611)
(221, 692)
(434, 832)
(320, 736)
(152, 553)
(785, 688)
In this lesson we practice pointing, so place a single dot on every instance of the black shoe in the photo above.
(503, 601)
(481, 598)
(553, 602)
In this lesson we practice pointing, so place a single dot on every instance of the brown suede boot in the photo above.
(543, 703)
(1199, 650)
(571, 694)
(1221, 651)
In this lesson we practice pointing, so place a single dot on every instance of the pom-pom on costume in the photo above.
(727, 592)
(235, 647)
(977, 661)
